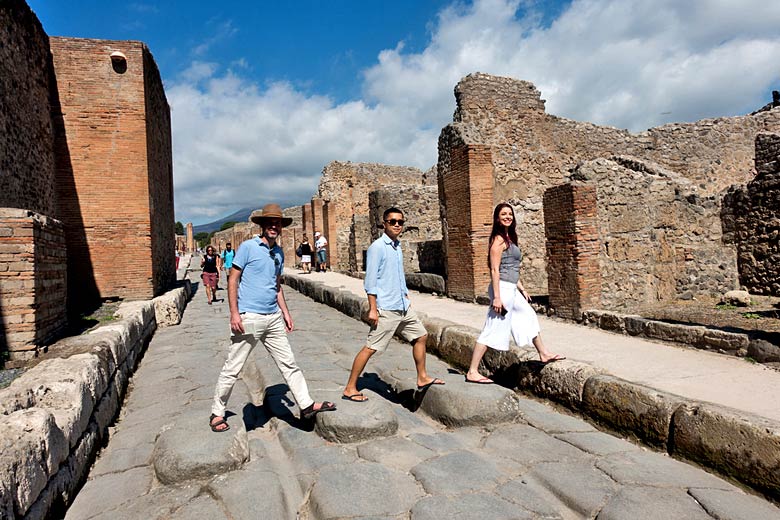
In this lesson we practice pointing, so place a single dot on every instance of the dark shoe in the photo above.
(434, 381)
(215, 425)
(354, 397)
(309, 411)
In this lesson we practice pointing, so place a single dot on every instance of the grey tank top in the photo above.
(509, 269)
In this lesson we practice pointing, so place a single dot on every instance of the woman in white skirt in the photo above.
(510, 312)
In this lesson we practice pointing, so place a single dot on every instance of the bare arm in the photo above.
(235, 318)
(496, 248)
(288, 321)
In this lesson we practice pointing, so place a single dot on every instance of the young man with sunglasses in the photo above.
(258, 312)
(389, 309)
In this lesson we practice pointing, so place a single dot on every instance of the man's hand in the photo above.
(373, 317)
(288, 322)
(236, 325)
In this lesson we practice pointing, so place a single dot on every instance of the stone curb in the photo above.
(55, 416)
(736, 444)
(697, 336)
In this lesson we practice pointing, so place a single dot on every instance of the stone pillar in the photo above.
(467, 195)
(330, 229)
(318, 219)
(308, 222)
(190, 238)
(572, 244)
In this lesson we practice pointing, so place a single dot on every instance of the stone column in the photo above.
(190, 238)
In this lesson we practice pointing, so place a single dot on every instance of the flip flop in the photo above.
(555, 358)
(309, 411)
(353, 396)
(483, 381)
(218, 423)
(435, 381)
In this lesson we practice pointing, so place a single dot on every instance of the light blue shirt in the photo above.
(385, 274)
(260, 266)
(227, 258)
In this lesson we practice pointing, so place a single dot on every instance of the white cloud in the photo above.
(627, 63)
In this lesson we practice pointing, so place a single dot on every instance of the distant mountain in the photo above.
(241, 215)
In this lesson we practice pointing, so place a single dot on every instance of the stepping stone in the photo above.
(191, 451)
(362, 490)
(356, 422)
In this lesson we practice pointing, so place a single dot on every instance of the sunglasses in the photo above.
(276, 260)
(393, 222)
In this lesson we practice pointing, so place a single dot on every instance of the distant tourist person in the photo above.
(320, 242)
(210, 273)
(509, 312)
(389, 308)
(258, 312)
(227, 259)
(305, 249)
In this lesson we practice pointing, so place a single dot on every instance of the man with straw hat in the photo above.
(258, 312)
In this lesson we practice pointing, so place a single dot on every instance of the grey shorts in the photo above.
(405, 324)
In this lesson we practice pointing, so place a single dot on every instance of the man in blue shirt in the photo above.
(258, 311)
(389, 310)
(227, 259)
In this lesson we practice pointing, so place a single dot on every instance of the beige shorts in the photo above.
(405, 324)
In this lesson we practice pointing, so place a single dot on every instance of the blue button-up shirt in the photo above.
(260, 266)
(385, 274)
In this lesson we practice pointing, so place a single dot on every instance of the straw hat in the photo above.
(270, 211)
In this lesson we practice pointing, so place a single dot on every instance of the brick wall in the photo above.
(26, 143)
(104, 170)
(533, 151)
(466, 197)
(32, 281)
(571, 228)
(756, 212)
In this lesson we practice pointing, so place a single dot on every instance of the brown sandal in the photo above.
(214, 425)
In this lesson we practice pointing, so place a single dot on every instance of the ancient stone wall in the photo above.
(421, 237)
(160, 176)
(755, 212)
(32, 282)
(104, 167)
(346, 185)
(532, 151)
(26, 143)
(658, 238)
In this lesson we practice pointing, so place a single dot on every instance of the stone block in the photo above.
(332, 297)
(763, 351)
(635, 325)
(457, 344)
(459, 404)
(611, 321)
(434, 326)
(562, 381)
(730, 342)
(352, 305)
(743, 446)
(169, 307)
(674, 332)
(631, 408)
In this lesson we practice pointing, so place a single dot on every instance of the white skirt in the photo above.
(520, 320)
(306, 259)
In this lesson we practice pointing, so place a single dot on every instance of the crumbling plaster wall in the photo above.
(532, 151)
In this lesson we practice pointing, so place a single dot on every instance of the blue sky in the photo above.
(264, 94)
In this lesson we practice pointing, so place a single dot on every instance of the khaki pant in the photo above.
(268, 328)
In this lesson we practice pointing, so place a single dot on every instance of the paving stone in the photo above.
(199, 508)
(579, 485)
(356, 422)
(519, 492)
(115, 460)
(382, 492)
(409, 422)
(650, 503)
(441, 442)
(190, 450)
(161, 502)
(597, 443)
(293, 439)
(528, 445)
(100, 494)
(309, 460)
(396, 452)
(477, 505)
(255, 492)
(458, 472)
(547, 419)
(734, 505)
(654, 469)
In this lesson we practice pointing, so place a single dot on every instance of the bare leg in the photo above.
(544, 354)
(361, 359)
(208, 294)
(473, 373)
(418, 353)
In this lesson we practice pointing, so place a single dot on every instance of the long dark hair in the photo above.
(508, 234)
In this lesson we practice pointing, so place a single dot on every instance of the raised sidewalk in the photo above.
(719, 411)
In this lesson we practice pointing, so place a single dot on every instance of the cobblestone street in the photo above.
(453, 451)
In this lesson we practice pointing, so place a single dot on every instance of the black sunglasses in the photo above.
(276, 260)
(393, 222)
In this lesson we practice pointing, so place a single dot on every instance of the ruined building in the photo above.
(86, 185)
(645, 212)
